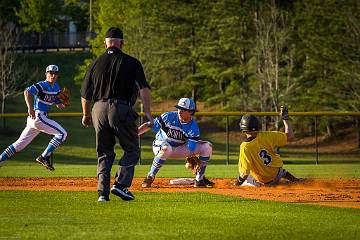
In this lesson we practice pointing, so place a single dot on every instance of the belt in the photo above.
(41, 112)
(116, 100)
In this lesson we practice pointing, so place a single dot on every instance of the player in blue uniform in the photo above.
(39, 98)
(177, 136)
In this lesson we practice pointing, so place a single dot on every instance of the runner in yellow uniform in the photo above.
(259, 164)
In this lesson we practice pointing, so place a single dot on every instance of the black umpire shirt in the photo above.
(114, 74)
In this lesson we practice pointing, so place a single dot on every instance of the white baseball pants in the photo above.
(41, 123)
(164, 150)
(251, 181)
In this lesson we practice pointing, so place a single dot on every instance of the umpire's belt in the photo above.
(116, 101)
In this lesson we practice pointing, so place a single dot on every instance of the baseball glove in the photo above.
(193, 163)
(64, 96)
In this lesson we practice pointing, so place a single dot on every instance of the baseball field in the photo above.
(39, 204)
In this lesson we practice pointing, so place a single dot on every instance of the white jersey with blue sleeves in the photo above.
(169, 128)
(45, 95)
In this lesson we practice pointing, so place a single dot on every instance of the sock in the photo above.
(8, 152)
(203, 164)
(53, 144)
(155, 167)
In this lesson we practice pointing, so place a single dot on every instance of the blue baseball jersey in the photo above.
(169, 128)
(45, 95)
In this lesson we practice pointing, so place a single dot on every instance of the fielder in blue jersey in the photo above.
(178, 136)
(39, 98)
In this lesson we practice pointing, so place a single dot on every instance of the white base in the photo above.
(182, 181)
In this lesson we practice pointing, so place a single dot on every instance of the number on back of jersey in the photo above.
(263, 154)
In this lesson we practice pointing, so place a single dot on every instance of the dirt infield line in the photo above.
(335, 192)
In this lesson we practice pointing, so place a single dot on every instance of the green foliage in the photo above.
(235, 55)
(240, 55)
(243, 55)
(38, 15)
(78, 11)
(329, 42)
(79, 77)
(225, 58)
(47, 15)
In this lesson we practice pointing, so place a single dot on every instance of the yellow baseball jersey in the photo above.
(258, 156)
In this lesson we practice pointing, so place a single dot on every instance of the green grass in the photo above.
(77, 215)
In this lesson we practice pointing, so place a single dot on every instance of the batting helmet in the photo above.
(52, 68)
(249, 123)
(186, 104)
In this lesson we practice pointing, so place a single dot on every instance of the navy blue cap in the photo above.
(114, 32)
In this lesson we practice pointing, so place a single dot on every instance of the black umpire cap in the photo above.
(114, 32)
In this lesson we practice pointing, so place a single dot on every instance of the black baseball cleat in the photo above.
(237, 183)
(147, 182)
(45, 162)
(204, 183)
(122, 192)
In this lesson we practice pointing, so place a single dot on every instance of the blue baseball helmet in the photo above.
(186, 104)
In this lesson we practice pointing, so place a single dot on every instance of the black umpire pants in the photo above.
(113, 119)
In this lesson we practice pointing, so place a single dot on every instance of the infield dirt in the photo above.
(334, 192)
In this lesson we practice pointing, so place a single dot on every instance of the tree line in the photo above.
(240, 55)
(246, 55)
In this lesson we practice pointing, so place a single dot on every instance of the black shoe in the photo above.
(122, 192)
(147, 182)
(238, 182)
(45, 162)
(204, 183)
(103, 199)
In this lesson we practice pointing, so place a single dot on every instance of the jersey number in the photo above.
(263, 154)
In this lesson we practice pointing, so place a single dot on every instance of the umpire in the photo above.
(113, 82)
